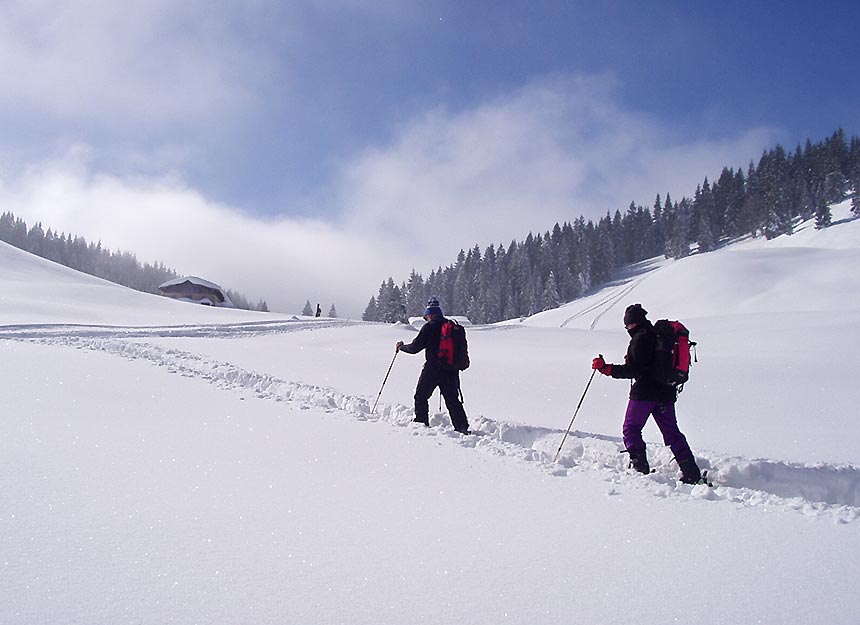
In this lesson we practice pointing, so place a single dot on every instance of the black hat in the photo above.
(634, 314)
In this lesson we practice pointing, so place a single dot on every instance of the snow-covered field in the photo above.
(169, 463)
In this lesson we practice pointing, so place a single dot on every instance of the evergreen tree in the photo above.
(550, 293)
(308, 310)
(727, 197)
(668, 217)
(749, 220)
(826, 183)
(499, 288)
(416, 294)
(391, 307)
(332, 312)
(238, 300)
(854, 174)
(36, 240)
(371, 313)
(704, 212)
(602, 251)
(623, 234)
(659, 229)
(836, 166)
(475, 310)
(679, 244)
(823, 217)
(7, 227)
(587, 243)
(489, 304)
(521, 281)
(773, 171)
(732, 196)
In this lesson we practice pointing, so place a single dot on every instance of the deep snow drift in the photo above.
(164, 462)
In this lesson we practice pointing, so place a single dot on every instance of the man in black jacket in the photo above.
(648, 396)
(433, 375)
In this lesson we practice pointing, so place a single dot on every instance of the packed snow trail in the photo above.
(605, 304)
(612, 296)
(825, 491)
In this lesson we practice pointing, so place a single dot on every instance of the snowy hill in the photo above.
(808, 271)
(164, 462)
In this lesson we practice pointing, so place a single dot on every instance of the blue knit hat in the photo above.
(433, 307)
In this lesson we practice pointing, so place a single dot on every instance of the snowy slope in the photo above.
(810, 271)
(35, 290)
(169, 463)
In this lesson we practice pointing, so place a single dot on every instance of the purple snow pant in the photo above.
(637, 415)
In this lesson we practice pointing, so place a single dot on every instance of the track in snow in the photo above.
(823, 490)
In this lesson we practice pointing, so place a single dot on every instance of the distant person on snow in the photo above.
(319, 311)
(433, 375)
(648, 396)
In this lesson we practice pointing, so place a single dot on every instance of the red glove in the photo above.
(600, 364)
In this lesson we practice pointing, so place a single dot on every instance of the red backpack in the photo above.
(672, 357)
(453, 349)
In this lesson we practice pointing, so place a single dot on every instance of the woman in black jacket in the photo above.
(648, 396)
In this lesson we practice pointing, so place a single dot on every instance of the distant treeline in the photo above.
(91, 258)
(567, 262)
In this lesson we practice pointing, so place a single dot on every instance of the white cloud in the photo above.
(555, 150)
(136, 65)
(552, 151)
(283, 261)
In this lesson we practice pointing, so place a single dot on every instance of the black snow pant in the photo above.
(449, 383)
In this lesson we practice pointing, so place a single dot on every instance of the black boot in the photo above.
(639, 461)
(690, 473)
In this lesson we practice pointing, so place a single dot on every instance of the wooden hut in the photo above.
(196, 290)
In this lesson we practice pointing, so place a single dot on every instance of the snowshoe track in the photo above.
(824, 491)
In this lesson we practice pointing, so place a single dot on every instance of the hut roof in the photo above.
(178, 288)
(191, 280)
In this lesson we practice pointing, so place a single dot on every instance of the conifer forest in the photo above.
(545, 270)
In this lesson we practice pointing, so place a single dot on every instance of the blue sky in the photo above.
(322, 143)
(710, 69)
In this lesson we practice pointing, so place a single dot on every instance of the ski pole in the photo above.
(383, 382)
(575, 412)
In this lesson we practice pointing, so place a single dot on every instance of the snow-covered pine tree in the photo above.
(389, 302)
(854, 174)
(371, 313)
(416, 294)
(681, 231)
(551, 298)
(704, 212)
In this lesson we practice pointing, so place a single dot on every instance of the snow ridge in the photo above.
(824, 491)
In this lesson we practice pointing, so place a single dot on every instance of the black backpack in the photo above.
(453, 351)
(672, 356)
